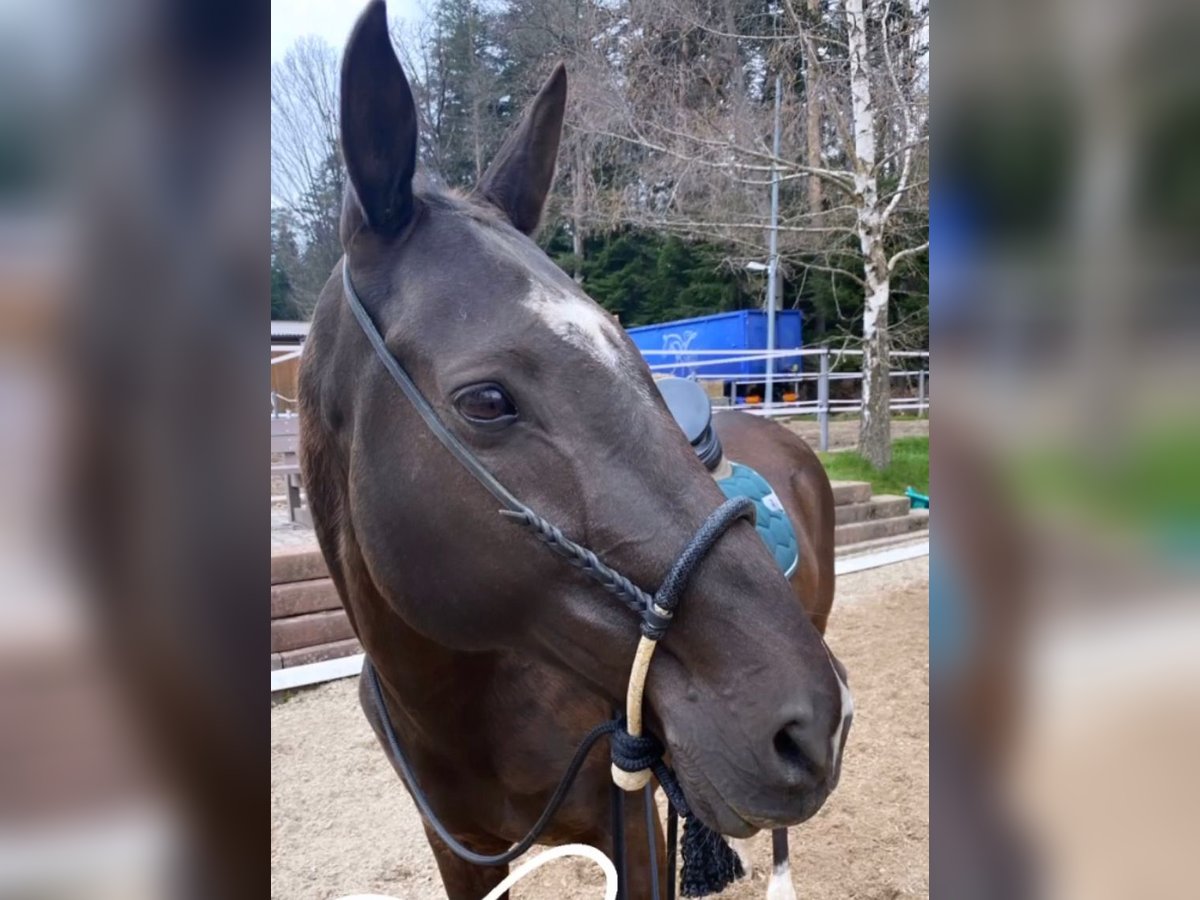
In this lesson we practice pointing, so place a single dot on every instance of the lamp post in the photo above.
(773, 257)
(755, 266)
(772, 266)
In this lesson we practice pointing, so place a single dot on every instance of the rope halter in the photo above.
(657, 616)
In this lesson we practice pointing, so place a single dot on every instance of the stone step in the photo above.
(881, 506)
(883, 543)
(309, 630)
(845, 492)
(302, 566)
(872, 529)
(319, 653)
(294, 598)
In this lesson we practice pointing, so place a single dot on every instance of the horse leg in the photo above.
(463, 880)
(780, 887)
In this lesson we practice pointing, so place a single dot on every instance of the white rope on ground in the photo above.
(585, 850)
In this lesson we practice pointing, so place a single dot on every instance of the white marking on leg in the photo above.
(741, 846)
(780, 887)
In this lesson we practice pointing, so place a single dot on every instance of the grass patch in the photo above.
(1150, 482)
(909, 468)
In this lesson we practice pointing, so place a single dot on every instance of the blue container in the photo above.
(733, 332)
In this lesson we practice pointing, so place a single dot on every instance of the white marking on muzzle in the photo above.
(780, 887)
(847, 710)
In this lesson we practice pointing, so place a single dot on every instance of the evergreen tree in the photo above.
(284, 257)
(463, 91)
(320, 209)
(624, 218)
(646, 277)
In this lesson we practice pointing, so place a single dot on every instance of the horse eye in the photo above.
(485, 404)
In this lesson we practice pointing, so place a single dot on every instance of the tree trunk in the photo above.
(812, 129)
(477, 142)
(578, 184)
(474, 85)
(875, 427)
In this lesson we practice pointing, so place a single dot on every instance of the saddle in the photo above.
(692, 410)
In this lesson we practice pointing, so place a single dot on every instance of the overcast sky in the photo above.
(328, 19)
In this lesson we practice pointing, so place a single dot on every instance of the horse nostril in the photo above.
(801, 750)
(787, 747)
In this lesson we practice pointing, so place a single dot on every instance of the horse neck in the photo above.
(435, 695)
(430, 689)
(426, 683)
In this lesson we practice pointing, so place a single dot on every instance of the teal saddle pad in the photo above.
(772, 522)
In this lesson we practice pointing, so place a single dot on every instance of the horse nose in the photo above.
(803, 750)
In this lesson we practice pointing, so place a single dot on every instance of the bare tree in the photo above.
(306, 170)
(304, 105)
(694, 90)
(669, 129)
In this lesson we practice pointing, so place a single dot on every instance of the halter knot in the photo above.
(634, 752)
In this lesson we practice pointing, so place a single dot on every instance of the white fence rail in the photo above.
(705, 365)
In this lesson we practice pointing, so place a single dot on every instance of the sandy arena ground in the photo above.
(342, 823)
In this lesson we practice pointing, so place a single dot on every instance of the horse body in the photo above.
(491, 733)
(799, 480)
(494, 657)
(490, 755)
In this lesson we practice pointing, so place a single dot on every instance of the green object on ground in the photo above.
(916, 499)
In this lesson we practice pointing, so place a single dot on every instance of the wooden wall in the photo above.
(285, 379)
(308, 623)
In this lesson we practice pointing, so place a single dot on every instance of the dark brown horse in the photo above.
(494, 656)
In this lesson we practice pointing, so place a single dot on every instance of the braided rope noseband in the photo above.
(635, 755)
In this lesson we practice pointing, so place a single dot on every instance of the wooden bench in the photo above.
(285, 442)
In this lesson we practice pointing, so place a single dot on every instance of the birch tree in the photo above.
(304, 104)
(854, 139)
(306, 168)
(871, 217)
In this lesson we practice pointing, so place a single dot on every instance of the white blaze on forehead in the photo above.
(578, 321)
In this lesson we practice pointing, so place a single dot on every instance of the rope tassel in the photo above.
(709, 863)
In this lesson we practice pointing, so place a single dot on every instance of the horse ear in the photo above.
(519, 178)
(379, 124)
